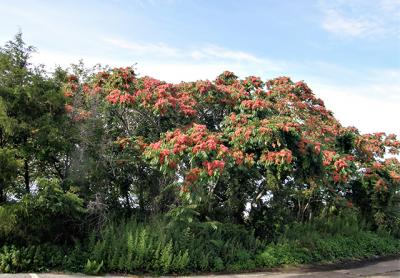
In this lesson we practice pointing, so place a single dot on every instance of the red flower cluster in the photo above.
(68, 108)
(226, 78)
(381, 185)
(191, 142)
(204, 86)
(340, 164)
(254, 81)
(72, 78)
(328, 157)
(163, 154)
(124, 88)
(288, 126)
(395, 176)
(193, 175)
(256, 104)
(304, 142)
(82, 115)
(278, 158)
(213, 165)
(376, 144)
(116, 96)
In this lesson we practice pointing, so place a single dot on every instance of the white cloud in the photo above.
(391, 6)
(145, 48)
(352, 108)
(368, 100)
(213, 51)
(336, 23)
(363, 19)
(208, 53)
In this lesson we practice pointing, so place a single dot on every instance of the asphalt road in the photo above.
(390, 268)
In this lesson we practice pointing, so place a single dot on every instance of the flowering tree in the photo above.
(232, 142)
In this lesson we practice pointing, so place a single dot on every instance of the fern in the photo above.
(92, 267)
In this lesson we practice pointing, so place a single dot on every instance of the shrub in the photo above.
(328, 239)
(49, 216)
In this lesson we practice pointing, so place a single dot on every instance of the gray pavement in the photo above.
(384, 269)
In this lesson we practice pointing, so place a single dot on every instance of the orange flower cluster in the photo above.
(116, 96)
(68, 108)
(328, 157)
(395, 176)
(193, 175)
(192, 141)
(304, 142)
(256, 104)
(375, 144)
(241, 158)
(253, 81)
(278, 158)
(213, 165)
(148, 93)
(289, 126)
(381, 185)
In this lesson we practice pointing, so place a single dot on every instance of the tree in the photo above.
(32, 115)
(231, 142)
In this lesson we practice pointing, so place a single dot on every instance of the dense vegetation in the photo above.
(105, 171)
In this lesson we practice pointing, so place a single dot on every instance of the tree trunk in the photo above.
(2, 197)
(141, 199)
(26, 176)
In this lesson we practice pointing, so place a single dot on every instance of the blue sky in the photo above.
(347, 51)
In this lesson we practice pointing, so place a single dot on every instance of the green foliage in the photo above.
(8, 220)
(327, 240)
(93, 267)
(157, 247)
(132, 247)
(328, 249)
(31, 258)
(9, 168)
(43, 217)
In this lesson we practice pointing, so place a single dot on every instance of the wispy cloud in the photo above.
(145, 48)
(204, 54)
(338, 24)
(362, 19)
(214, 51)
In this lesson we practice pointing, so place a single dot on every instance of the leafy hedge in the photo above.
(160, 247)
(334, 249)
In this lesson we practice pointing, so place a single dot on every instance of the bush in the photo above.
(323, 241)
(49, 216)
(32, 258)
(8, 220)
